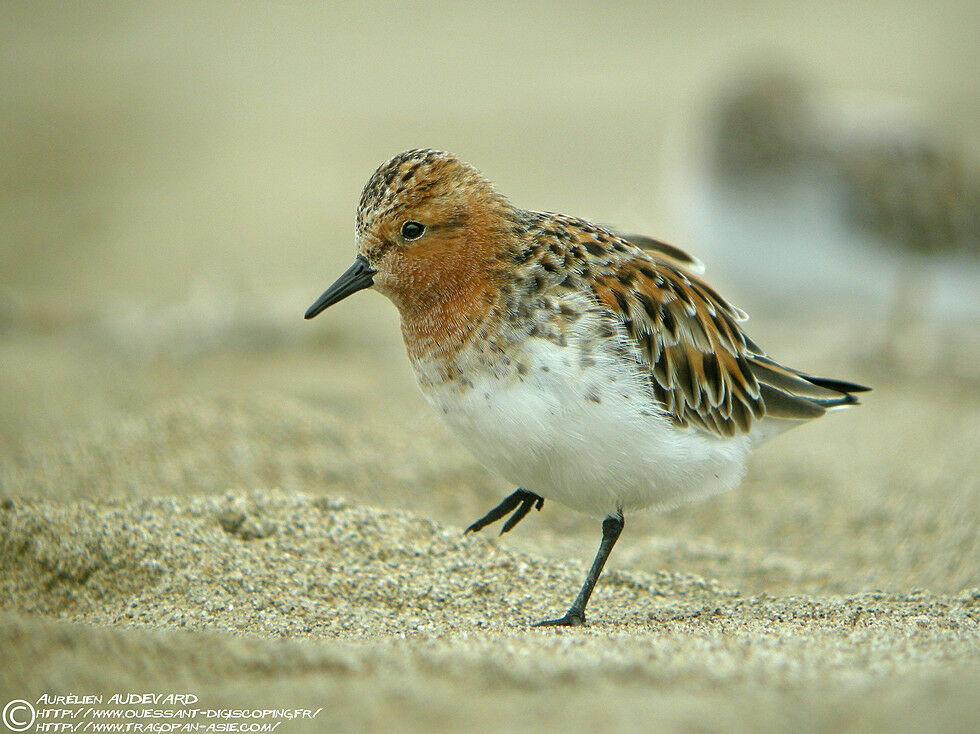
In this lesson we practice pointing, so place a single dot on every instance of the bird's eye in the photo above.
(413, 230)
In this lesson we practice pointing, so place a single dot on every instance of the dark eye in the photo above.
(413, 230)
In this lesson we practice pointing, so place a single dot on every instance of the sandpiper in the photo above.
(583, 365)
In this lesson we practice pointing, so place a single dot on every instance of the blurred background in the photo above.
(178, 182)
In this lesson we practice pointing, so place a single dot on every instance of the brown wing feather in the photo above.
(664, 250)
(705, 371)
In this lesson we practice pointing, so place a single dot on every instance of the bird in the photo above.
(583, 365)
(859, 171)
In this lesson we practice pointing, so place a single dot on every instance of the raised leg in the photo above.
(521, 499)
(612, 526)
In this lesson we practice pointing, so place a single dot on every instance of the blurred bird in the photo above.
(897, 180)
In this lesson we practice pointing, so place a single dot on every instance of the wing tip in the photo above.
(846, 389)
(681, 257)
(842, 386)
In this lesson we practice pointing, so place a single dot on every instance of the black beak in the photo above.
(357, 277)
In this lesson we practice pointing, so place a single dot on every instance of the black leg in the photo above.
(521, 499)
(612, 526)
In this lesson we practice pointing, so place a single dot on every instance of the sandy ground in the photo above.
(202, 494)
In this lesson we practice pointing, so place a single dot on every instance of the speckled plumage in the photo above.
(587, 366)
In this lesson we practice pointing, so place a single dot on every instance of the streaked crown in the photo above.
(412, 180)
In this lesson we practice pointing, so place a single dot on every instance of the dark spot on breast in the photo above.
(595, 248)
(521, 368)
(545, 368)
(593, 398)
(524, 255)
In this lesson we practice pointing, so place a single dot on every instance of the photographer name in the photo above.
(127, 699)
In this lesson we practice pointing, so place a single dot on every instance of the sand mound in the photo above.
(281, 564)
(396, 620)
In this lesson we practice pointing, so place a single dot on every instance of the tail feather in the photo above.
(794, 395)
(838, 385)
(844, 389)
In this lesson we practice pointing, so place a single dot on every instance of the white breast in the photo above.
(583, 432)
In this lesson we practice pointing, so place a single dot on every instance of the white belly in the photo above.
(586, 436)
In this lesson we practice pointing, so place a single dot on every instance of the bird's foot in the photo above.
(572, 618)
(520, 501)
